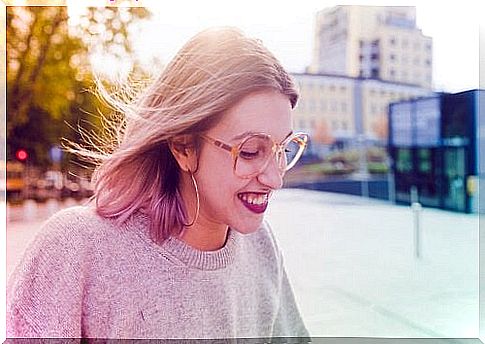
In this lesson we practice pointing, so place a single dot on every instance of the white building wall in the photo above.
(328, 102)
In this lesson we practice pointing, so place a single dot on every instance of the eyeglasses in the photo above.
(253, 154)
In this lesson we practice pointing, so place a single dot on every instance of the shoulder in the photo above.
(266, 235)
(265, 243)
(65, 239)
(71, 220)
(63, 234)
(73, 227)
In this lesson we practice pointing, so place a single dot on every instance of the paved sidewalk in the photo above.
(352, 264)
(24, 221)
(353, 267)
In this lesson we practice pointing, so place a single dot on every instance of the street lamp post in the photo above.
(363, 173)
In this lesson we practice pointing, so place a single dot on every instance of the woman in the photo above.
(175, 245)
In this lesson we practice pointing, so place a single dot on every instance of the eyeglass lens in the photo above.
(256, 151)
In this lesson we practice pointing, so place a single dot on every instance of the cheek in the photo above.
(218, 183)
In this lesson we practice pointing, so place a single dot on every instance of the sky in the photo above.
(286, 28)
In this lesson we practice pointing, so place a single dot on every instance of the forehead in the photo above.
(263, 112)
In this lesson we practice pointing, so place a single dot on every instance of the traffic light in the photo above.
(21, 154)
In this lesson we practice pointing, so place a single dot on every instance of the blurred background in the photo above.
(380, 125)
(50, 93)
(388, 189)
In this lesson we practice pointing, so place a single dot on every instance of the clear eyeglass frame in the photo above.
(277, 150)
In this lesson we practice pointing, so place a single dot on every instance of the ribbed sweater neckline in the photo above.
(188, 255)
(203, 260)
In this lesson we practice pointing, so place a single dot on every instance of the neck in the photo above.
(204, 239)
(204, 234)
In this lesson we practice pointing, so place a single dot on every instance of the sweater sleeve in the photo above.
(44, 297)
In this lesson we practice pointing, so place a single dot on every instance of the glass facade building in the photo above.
(435, 145)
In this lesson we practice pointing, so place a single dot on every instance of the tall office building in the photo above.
(378, 42)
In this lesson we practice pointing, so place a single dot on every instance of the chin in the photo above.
(248, 227)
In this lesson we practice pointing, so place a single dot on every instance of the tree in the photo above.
(48, 72)
(322, 133)
(380, 128)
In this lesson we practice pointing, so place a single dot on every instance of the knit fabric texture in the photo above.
(84, 276)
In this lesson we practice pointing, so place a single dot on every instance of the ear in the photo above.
(184, 152)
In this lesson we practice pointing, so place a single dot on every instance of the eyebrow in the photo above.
(246, 133)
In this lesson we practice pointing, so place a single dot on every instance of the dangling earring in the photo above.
(197, 200)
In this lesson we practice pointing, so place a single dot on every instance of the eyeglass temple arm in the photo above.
(217, 143)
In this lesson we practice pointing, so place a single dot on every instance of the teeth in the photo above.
(254, 199)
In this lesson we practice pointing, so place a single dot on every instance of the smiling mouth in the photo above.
(255, 202)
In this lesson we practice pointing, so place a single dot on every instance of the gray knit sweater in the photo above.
(83, 276)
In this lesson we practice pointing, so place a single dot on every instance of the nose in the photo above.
(271, 175)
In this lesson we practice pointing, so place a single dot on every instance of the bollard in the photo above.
(52, 206)
(416, 209)
(30, 210)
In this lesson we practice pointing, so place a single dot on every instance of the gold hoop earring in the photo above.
(197, 200)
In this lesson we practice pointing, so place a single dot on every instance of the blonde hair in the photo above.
(213, 71)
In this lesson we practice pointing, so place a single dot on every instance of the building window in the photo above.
(343, 88)
(404, 162)
(428, 62)
(334, 125)
(424, 160)
(344, 125)
(332, 88)
(405, 43)
(392, 73)
(392, 41)
(333, 105)
(374, 73)
(392, 57)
